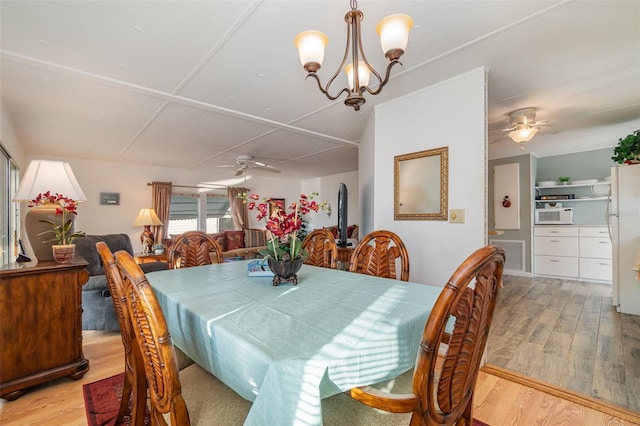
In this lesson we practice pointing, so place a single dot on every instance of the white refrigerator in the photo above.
(624, 226)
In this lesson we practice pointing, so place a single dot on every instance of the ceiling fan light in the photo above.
(363, 74)
(523, 133)
(394, 34)
(311, 46)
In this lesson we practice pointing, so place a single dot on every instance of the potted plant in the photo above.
(158, 248)
(628, 149)
(63, 234)
(564, 180)
(284, 251)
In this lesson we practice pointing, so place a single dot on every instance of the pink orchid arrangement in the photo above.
(65, 206)
(284, 226)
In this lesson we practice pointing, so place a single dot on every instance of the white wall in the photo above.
(327, 188)
(451, 113)
(9, 138)
(366, 175)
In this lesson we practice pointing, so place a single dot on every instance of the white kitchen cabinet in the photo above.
(595, 254)
(555, 251)
(573, 252)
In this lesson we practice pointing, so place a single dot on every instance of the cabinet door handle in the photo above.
(554, 241)
(553, 260)
(604, 242)
(604, 264)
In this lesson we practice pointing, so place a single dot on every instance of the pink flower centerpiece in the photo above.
(65, 206)
(283, 225)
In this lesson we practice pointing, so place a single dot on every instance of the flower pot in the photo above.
(63, 253)
(285, 270)
(36, 230)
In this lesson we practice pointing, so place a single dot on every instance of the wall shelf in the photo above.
(583, 185)
(573, 200)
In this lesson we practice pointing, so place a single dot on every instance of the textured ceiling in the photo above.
(195, 84)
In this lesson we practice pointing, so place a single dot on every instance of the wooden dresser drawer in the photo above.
(556, 265)
(556, 246)
(596, 269)
(595, 247)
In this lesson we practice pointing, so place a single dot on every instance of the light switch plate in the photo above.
(456, 216)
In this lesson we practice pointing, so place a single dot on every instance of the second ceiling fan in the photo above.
(523, 125)
(246, 162)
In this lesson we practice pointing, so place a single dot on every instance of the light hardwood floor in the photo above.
(567, 333)
(498, 401)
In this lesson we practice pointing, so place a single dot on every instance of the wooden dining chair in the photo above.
(134, 377)
(193, 248)
(321, 249)
(192, 396)
(441, 390)
(377, 253)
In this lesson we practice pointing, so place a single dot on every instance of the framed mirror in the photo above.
(421, 185)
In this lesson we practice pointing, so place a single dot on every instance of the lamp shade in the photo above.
(523, 133)
(363, 75)
(147, 217)
(54, 176)
(394, 32)
(311, 46)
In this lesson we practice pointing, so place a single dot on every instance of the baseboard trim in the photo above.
(575, 397)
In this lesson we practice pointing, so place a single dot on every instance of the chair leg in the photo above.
(466, 418)
(140, 399)
(126, 395)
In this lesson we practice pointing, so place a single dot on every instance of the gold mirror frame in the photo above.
(426, 169)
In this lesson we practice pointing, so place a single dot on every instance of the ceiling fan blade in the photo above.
(265, 167)
(502, 130)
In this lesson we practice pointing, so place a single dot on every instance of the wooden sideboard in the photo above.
(40, 324)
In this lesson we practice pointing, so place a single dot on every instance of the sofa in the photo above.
(236, 244)
(98, 312)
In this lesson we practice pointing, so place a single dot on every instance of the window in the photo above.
(9, 215)
(186, 213)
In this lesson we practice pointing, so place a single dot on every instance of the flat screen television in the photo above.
(343, 197)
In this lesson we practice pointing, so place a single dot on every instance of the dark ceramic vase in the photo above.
(285, 270)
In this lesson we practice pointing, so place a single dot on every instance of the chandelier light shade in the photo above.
(523, 133)
(147, 218)
(394, 35)
(42, 176)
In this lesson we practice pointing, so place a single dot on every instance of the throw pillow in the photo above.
(235, 239)
(221, 239)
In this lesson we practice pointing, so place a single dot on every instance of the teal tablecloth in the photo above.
(286, 347)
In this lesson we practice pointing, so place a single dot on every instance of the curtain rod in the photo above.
(197, 187)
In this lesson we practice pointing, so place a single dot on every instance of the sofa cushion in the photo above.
(235, 240)
(255, 237)
(221, 239)
(86, 248)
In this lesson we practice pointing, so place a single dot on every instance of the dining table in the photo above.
(287, 347)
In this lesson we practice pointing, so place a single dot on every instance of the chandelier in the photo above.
(394, 34)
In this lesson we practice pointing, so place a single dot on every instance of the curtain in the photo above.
(161, 201)
(238, 207)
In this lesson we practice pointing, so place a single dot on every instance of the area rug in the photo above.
(102, 400)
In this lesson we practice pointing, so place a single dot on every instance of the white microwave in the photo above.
(554, 216)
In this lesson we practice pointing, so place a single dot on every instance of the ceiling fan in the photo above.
(245, 162)
(523, 125)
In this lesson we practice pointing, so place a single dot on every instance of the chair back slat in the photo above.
(321, 249)
(468, 299)
(154, 341)
(193, 248)
(377, 253)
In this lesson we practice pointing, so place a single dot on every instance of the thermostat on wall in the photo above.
(110, 198)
